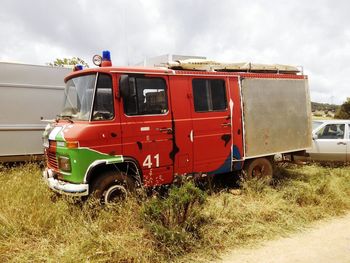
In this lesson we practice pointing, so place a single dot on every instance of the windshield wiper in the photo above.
(65, 117)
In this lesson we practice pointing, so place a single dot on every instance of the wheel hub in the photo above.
(115, 193)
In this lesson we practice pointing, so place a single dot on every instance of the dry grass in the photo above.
(298, 196)
(36, 225)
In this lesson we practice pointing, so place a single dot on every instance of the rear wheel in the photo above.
(113, 186)
(260, 168)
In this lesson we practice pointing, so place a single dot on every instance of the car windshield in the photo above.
(316, 124)
(78, 96)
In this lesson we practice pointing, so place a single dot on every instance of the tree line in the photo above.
(343, 112)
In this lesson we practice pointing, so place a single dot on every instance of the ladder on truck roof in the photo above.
(211, 65)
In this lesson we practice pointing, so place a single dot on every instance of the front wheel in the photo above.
(113, 186)
(260, 168)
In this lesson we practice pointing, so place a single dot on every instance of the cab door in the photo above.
(146, 121)
(105, 134)
(211, 118)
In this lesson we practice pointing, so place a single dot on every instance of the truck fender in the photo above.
(127, 164)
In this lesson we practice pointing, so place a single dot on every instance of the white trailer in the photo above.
(28, 95)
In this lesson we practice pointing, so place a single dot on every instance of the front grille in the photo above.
(52, 160)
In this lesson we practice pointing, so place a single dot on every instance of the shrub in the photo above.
(175, 221)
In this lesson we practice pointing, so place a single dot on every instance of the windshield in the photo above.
(78, 96)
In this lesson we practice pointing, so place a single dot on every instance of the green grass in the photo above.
(37, 225)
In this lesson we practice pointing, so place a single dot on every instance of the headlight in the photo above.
(64, 163)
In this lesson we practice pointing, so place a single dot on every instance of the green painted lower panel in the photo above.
(81, 159)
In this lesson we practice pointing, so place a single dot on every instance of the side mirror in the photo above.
(127, 87)
(124, 89)
(314, 136)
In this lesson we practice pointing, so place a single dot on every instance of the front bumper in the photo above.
(64, 187)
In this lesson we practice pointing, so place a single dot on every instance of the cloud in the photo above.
(314, 35)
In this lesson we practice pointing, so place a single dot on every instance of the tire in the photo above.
(112, 187)
(260, 168)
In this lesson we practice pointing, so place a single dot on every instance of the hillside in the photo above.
(317, 106)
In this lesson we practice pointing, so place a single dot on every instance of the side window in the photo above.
(331, 131)
(209, 95)
(103, 103)
(145, 96)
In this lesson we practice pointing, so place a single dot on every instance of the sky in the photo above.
(311, 34)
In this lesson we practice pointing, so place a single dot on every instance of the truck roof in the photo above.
(169, 71)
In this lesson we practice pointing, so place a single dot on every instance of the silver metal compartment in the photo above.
(277, 116)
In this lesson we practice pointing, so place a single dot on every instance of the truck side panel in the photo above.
(277, 116)
(28, 93)
(236, 119)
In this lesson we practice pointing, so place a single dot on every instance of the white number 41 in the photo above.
(148, 161)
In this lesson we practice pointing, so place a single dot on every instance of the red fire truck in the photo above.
(125, 127)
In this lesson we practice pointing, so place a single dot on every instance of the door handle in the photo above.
(341, 143)
(227, 124)
(166, 130)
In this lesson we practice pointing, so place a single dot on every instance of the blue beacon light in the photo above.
(106, 55)
(78, 67)
(106, 59)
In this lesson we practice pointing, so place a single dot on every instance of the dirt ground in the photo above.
(324, 242)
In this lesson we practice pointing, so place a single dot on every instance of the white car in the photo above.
(330, 140)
